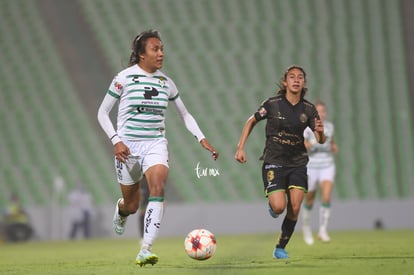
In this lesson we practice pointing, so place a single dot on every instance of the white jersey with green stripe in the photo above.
(320, 155)
(143, 100)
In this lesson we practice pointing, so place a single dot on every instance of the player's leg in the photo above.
(129, 174)
(306, 218)
(274, 188)
(156, 177)
(73, 230)
(86, 224)
(326, 185)
(143, 202)
(297, 185)
(155, 167)
(325, 210)
(295, 197)
(277, 203)
(308, 205)
(125, 206)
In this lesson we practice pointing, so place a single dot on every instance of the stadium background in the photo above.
(58, 57)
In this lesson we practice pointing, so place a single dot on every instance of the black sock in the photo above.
(288, 226)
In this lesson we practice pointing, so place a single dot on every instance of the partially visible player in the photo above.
(321, 174)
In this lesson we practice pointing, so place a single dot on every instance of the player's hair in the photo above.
(139, 43)
(282, 88)
(319, 103)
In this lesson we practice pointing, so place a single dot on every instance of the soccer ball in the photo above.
(200, 244)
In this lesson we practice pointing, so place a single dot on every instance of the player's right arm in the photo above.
(121, 151)
(247, 129)
(104, 119)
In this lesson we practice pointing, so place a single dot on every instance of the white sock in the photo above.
(324, 214)
(152, 223)
(306, 216)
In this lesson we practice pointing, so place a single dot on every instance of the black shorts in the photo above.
(279, 178)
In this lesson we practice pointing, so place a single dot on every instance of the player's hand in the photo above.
(121, 151)
(334, 148)
(319, 126)
(214, 154)
(319, 131)
(240, 156)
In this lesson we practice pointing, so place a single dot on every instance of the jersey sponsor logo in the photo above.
(270, 166)
(155, 111)
(148, 219)
(286, 141)
(150, 92)
(279, 116)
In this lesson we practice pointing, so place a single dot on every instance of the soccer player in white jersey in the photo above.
(321, 173)
(140, 147)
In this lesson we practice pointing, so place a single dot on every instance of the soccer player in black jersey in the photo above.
(285, 157)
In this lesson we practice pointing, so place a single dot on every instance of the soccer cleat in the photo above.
(272, 213)
(280, 253)
(307, 235)
(323, 236)
(119, 222)
(146, 257)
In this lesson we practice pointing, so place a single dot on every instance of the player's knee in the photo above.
(277, 208)
(295, 209)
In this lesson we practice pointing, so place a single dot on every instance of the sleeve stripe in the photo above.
(174, 98)
(113, 94)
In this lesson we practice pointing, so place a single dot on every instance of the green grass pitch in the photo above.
(354, 252)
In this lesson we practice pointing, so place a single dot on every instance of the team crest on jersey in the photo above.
(161, 81)
(303, 118)
(279, 116)
(118, 85)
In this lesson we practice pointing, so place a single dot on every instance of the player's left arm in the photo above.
(319, 131)
(192, 126)
(316, 124)
(334, 146)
